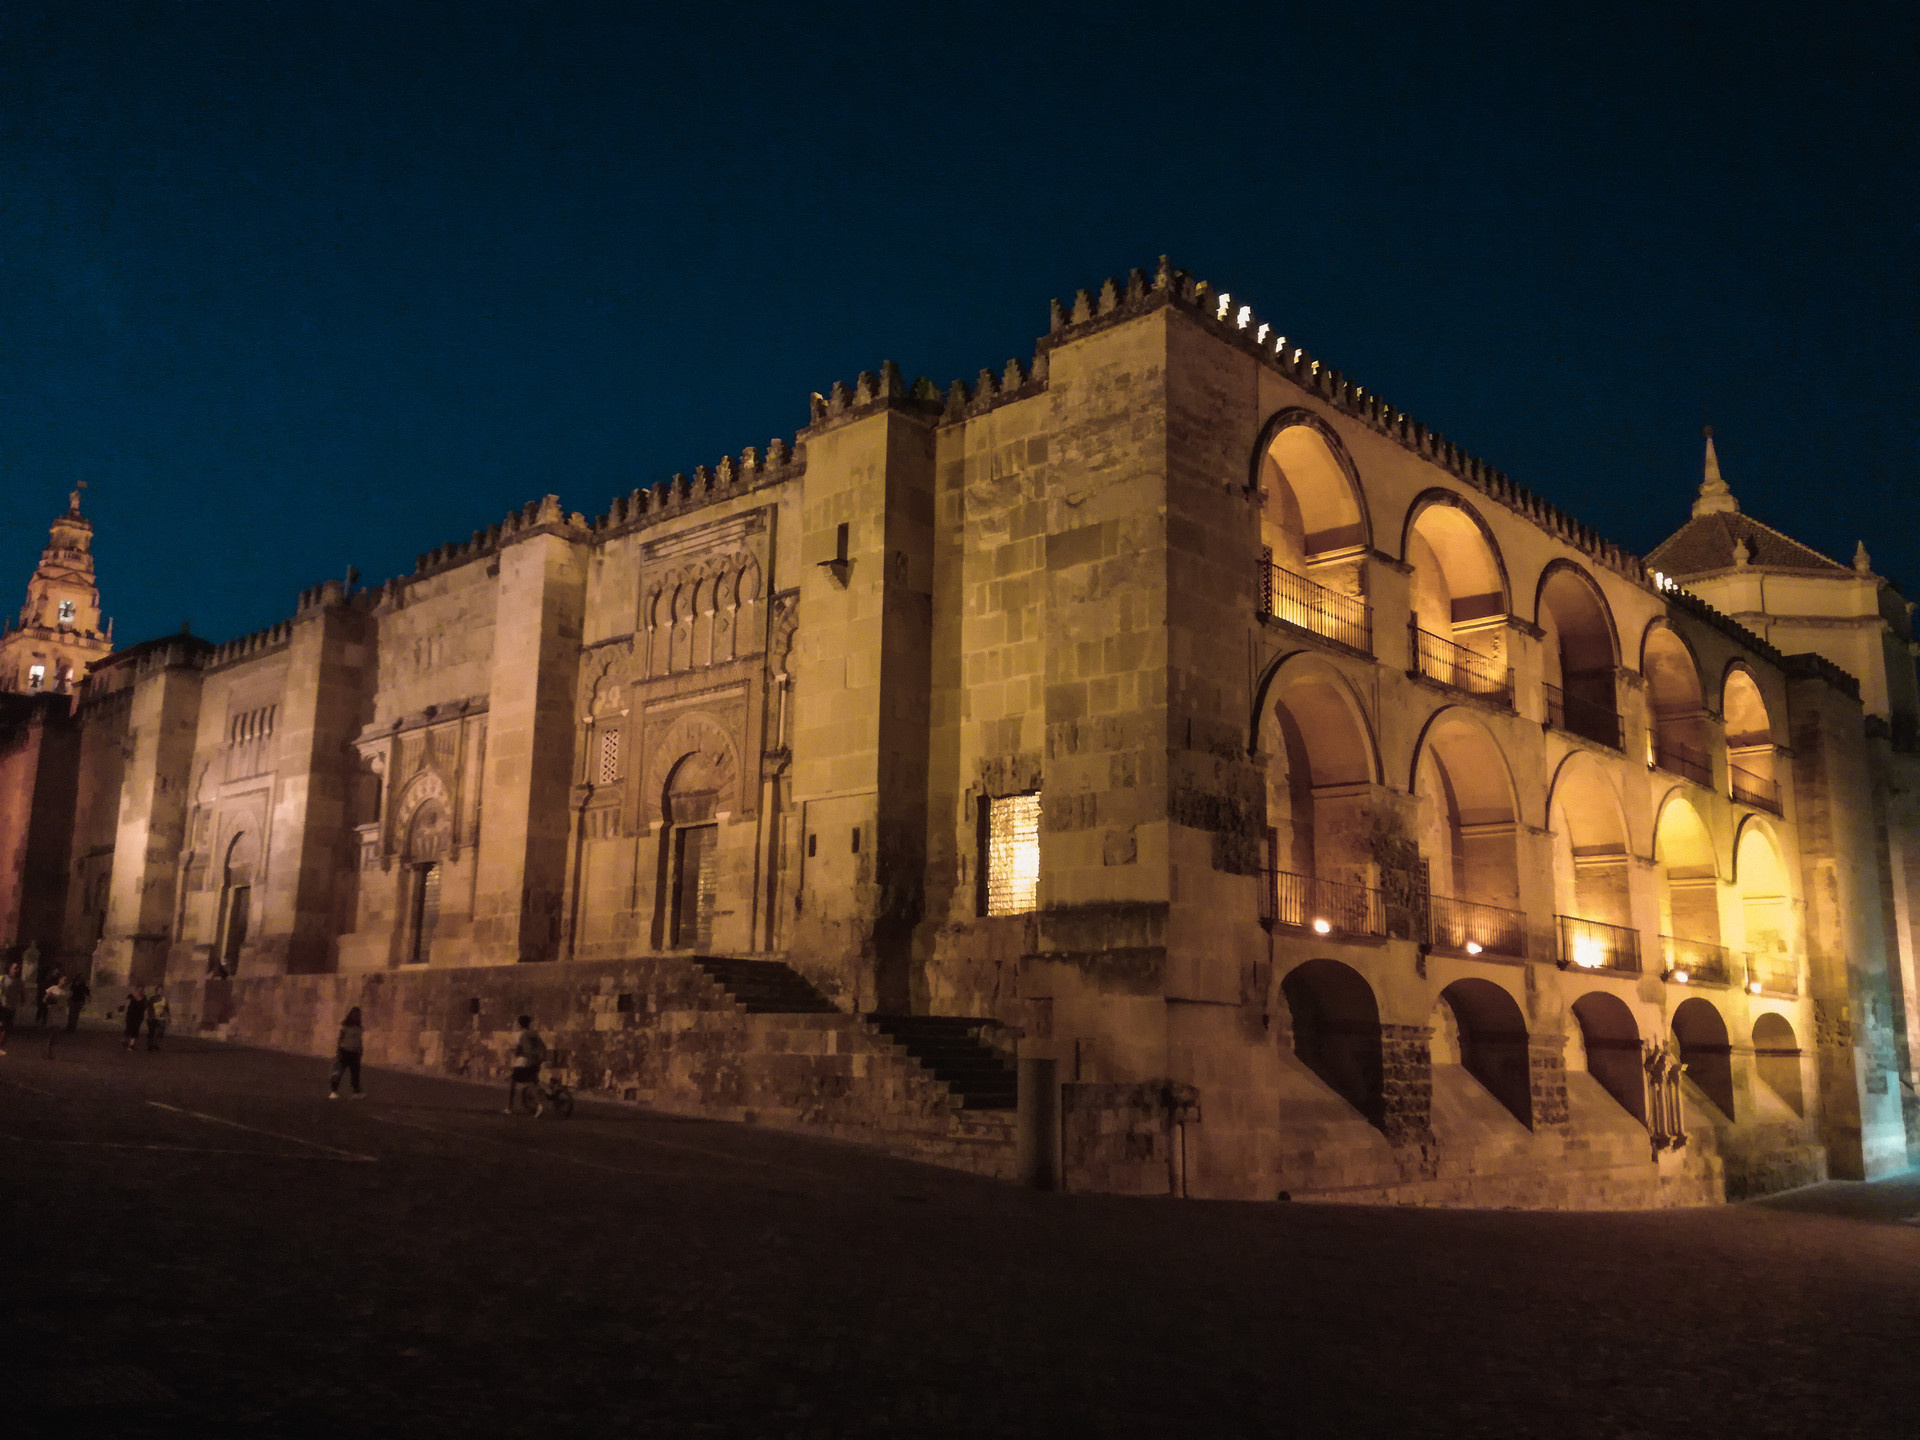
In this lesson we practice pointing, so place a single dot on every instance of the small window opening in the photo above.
(856, 839)
(813, 846)
(1009, 866)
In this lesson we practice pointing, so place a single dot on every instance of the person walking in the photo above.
(135, 1015)
(77, 995)
(529, 1052)
(13, 994)
(346, 1055)
(159, 1011)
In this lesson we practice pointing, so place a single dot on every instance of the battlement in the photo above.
(250, 647)
(753, 470)
(1116, 303)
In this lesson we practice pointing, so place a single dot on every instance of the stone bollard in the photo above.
(1039, 1115)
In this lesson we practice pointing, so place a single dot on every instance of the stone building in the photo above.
(1340, 818)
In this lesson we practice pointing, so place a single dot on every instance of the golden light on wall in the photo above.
(1013, 854)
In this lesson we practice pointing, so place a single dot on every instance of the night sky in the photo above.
(300, 287)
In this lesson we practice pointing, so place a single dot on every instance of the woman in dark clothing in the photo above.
(346, 1055)
(136, 1014)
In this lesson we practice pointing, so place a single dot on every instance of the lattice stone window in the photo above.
(609, 756)
(1009, 854)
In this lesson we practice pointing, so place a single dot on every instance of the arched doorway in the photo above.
(1593, 920)
(236, 901)
(1677, 738)
(1579, 655)
(1776, 1059)
(1336, 1032)
(1750, 752)
(1320, 779)
(690, 807)
(1459, 599)
(1690, 937)
(1705, 1052)
(1469, 837)
(1610, 1050)
(426, 848)
(1481, 1029)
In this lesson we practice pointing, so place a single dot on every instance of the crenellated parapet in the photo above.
(249, 647)
(871, 393)
(1116, 302)
(754, 469)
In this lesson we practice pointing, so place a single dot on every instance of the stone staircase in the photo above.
(765, 987)
(951, 1048)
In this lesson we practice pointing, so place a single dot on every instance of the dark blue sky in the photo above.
(297, 287)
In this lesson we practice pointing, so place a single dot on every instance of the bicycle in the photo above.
(551, 1093)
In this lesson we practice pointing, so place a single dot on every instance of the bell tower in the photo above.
(59, 632)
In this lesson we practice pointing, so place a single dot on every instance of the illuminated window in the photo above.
(36, 676)
(609, 756)
(1009, 854)
(66, 612)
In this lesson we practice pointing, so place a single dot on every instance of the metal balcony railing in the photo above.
(1595, 945)
(1759, 791)
(1325, 907)
(1468, 927)
(1697, 962)
(1459, 668)
(1772, 975)
(1297, 601)
(1586, 718)
(1677, 759)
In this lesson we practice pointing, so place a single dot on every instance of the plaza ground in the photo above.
(200, 1243)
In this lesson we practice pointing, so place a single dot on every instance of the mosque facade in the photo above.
(1305, 808)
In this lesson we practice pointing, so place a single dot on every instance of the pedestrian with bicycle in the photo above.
(159, 1011)
(346, 1055)
(529, 1053)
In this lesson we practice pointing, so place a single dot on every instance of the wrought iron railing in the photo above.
(1596, 945)
(1586, 718)
(1471, 928)
(1459, 668)
(1760, 791)
(1677, 759)
(1697, 962)
(1772, 975)
(1306, 605)
(1326, 907)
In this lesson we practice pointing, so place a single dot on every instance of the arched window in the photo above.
(1608, 1049)
(1578, 655)
(1469, 837)
(1705, 1054)
(1750, 752)
(1478, 1027)
(1689, 897)
(1313, 532)
(1595, 917)
(1776, 1059)
(1320, 776)
(1677, 735)
(1336, 1032)
(1766, 914)
(1459, 599)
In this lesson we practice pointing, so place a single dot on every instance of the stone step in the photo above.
(950, 1048)
(765, 987)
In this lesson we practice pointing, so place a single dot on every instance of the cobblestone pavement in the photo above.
(200, 1243)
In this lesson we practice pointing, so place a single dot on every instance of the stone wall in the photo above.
(655, 1030)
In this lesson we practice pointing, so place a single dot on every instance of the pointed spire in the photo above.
(1715, 497)
(1862, 562)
